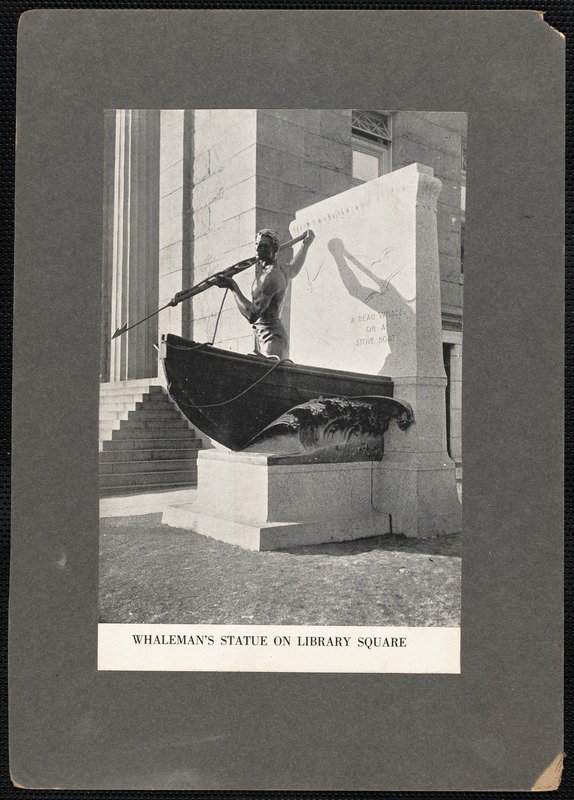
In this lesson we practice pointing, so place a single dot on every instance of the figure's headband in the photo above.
(271, 234)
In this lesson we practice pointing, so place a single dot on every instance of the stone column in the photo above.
(417, 476)
(134, 289)
(108, 239)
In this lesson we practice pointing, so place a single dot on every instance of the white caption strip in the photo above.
(283, 648)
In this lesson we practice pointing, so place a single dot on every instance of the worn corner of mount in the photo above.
(552, 28)
(18, 785)
(550, 779)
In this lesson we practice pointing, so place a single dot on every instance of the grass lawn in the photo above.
(151, 573)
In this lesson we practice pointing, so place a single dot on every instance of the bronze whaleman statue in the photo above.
(268, 291)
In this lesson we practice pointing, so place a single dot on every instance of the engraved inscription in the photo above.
(374, 326)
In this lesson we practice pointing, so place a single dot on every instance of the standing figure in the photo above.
(268, 291)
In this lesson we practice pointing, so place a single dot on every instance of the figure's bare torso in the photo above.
(268, 292)
(271, 283)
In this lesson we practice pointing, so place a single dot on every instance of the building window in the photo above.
(446, 357)
(462, 200)
(371, 145)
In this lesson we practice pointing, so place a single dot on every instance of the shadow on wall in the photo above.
(393, 308)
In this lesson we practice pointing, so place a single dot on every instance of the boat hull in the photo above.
(232, 397)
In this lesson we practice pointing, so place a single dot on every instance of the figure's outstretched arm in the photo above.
(251, 309)
(294, 268)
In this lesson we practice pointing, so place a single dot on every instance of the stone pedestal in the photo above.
(368, 300)
(263, 502)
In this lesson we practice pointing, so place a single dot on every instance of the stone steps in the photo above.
(162, 427)
(145, 443)
(149, 488)
(144, 385)
(167, 454)
(113, 414)
(140, 414)
(139, 479)
(136, 422)
(122, 401)
(156, 432)
(186, 440)
(140, 467)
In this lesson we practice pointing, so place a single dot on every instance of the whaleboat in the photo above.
(232, 397)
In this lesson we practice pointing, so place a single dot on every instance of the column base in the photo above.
(419, 491)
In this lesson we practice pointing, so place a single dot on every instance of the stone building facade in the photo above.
(185, 192)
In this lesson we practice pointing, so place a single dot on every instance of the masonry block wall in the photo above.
(175, 223)
(255, 169)
(303, 156)
(435, 139)
(224, 219)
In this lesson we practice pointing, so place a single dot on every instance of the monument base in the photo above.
(273, 535)
(419, 491)
(417, 483)
(263, 502)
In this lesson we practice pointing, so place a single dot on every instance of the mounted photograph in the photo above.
(280, 449)
(310, 552)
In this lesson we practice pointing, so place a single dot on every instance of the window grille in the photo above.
(371, 125)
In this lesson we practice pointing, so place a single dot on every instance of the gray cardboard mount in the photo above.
(496, 726)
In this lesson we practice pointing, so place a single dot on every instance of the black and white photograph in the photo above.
(281, 381)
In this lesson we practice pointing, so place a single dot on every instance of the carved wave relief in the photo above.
(334, 429)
